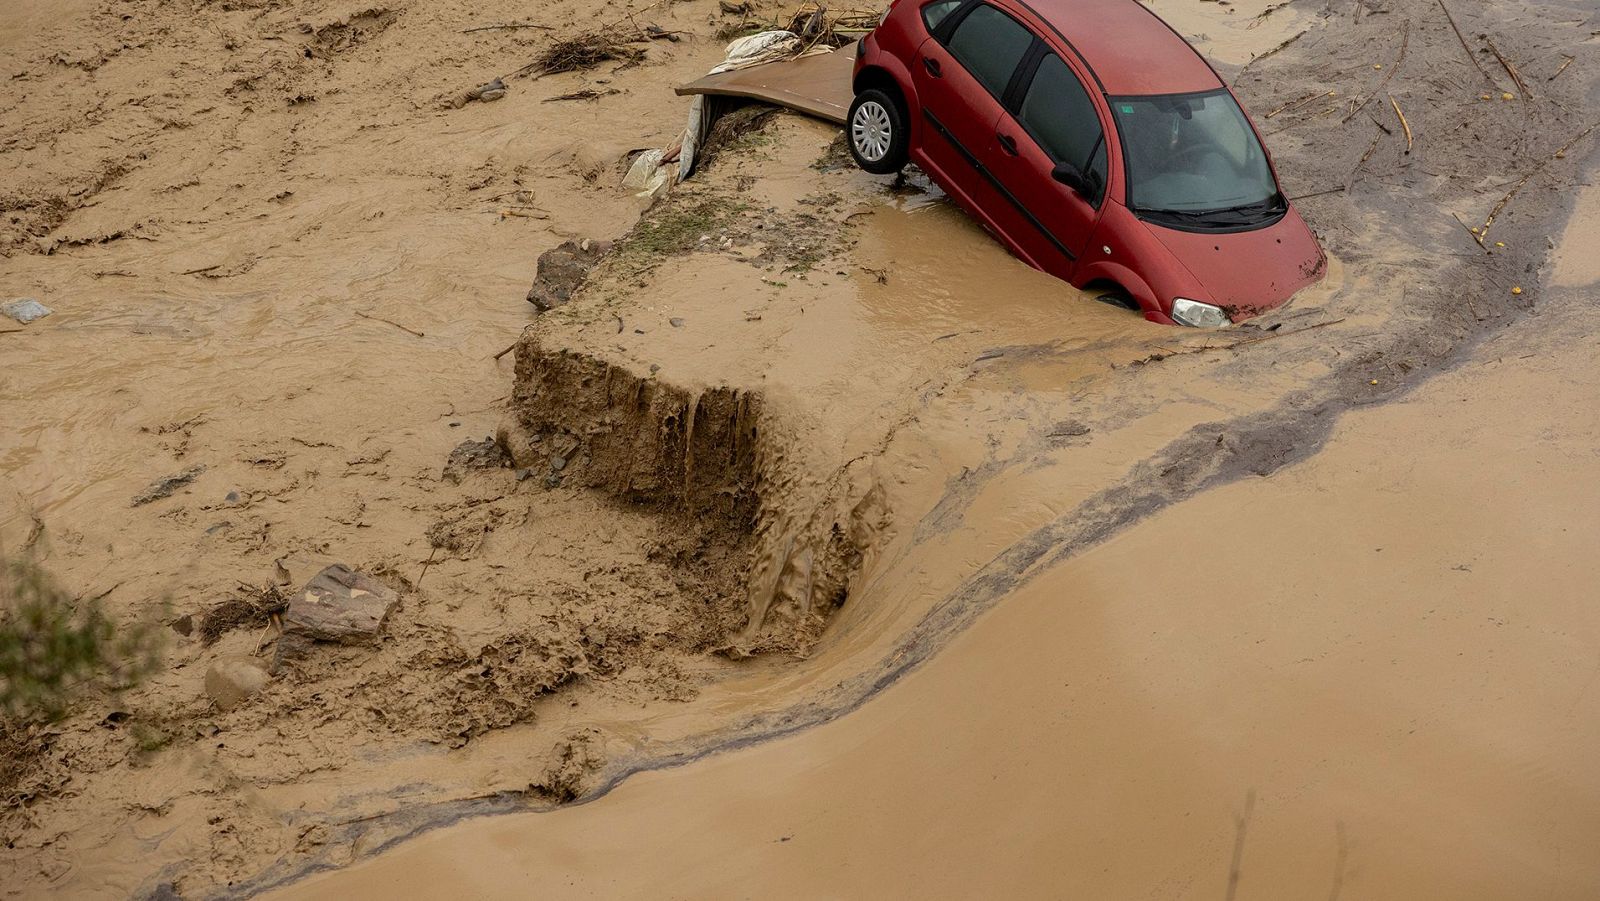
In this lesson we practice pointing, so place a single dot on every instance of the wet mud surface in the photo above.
(789, 438)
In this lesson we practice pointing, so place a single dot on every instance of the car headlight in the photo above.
(1197, 314)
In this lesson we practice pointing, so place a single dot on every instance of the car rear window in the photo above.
(934, 12)
(990, 44)
(1057, 112)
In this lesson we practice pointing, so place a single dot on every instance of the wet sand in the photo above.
(1372, 676)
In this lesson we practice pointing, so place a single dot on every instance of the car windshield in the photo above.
(1193, 156)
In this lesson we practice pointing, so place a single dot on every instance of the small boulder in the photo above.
(473, 455)
(25, 310)
(234, 679)
(340, 604)
(562, 270)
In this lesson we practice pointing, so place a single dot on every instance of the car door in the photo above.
(961, 75)
(1052, 119)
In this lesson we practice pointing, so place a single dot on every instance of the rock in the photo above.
(562, 271)
(490, 92)
(163, 488)
(558, 463)
(340, 604)
(25, 310)
(517, 442)
(183, 625)
(675, 322)
(475, 455)
(234, 679)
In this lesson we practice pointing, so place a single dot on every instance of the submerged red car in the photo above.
(1094, 142)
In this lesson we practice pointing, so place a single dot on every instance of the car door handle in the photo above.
(1007, 143)
(932, 65)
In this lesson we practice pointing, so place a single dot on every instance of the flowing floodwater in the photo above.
(1370, 677)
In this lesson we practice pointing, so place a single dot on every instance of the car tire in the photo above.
(877, 133)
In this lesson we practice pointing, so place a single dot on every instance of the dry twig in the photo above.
(397, 325)
(508, 26)
(1403, 123)
(1405, 42)
(585, 94)
(1506, 200)
(1475, 236)
(1296, 104)
(1516, 77)
(1468, 50)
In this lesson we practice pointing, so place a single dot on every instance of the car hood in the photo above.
(1250, 272)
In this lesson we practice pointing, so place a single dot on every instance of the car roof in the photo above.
(1130, 48)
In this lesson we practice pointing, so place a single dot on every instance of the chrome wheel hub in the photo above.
(871, 131)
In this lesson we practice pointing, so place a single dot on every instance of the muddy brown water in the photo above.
(1386, 691)
(1100, 729)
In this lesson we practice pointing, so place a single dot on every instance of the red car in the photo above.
(1094, 142)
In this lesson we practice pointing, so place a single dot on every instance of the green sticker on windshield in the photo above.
(1127, 107)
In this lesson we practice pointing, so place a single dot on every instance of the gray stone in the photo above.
(562, 271)
(25, 310)
(234, 679)
(475, 455)
(163, 488)
(340, 604)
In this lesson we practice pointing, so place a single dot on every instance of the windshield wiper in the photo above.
(1245, 214)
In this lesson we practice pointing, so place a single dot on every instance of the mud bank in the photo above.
(713, 461)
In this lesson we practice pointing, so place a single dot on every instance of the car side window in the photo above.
(1057, 112)
(934, 12)
(990, 44)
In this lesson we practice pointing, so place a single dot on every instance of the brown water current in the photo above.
(1384, 687)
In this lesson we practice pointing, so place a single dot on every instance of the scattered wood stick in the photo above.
(1559, 154)
(1276, 49)
(1319, 193)
(1563, 67)
(1516, 77)
(510, 25)
(1299, 103)
(1371, 148)
(1280, 334)
(1403, 123)
(410, 331)
(586, 94)
(11, 331)
(1475, 236)
(506, 351)
(426, 563)
(1473, 57)
(1405, 42)
(202, 269)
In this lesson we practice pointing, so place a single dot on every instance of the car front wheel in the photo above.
(876, 131)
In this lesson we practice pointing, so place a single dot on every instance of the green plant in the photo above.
(53, 646)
